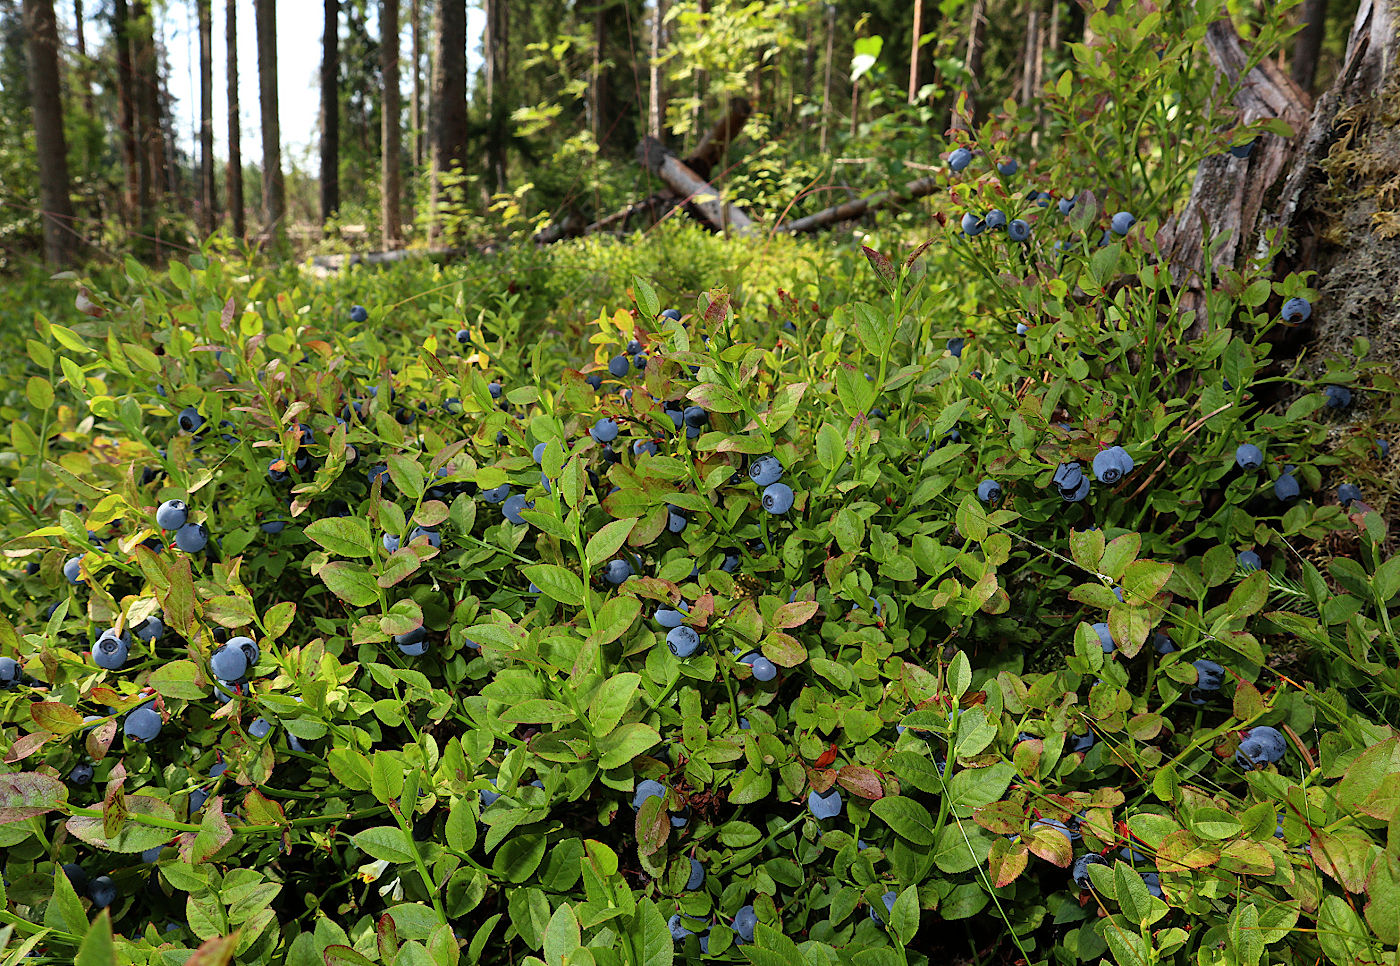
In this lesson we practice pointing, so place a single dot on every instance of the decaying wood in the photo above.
(856, 207)
(709, 152)
(1229, 192)
(702, 196)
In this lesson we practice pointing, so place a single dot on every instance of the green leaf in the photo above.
(557, 583)
(971, 519)
(386, 842)
(626, 743)
(562, 935)
(603, 544)
(97, 948)
(352, 583)
(342, 536)
(407, 475)
(65, 911)
(648, 303)
(614, 618)
(904, 917)
(611, 701)
(650, 937)
(338, 955)
(178, 679)
(906, 817)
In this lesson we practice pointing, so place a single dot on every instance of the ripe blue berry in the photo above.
(190, 420)
(673, 314)
(512, 507)
(763, 669)
(619, 366)
(1286, 488)
(695, 417)
(414, 643)
(887, 900)
(171, 515)
(604, 430)
(1123, 222)
(1249, 561)
(1296, 310)
(972, 225)
(1261, 746)
(1105, 638)
(260, 728)
(996, 219)
(647, 788)
(777, 498)
(229, 663)
(102, 892)
(110, 651)
(1209, 675)
(497, 494)
(617, 571)
(683, 641)
(390, 542)
(1347, 493)
(143, 724)
(766, 470)
(358, 313)
(959, 159)
(1008, 167)
(251, 652)
(81, 773)
(1338, 397)
(1079, 872)
(1249, 457)
(826, 804)
(744, 921)
(538, 452)
(697, 875)
(1112, 464)
(1018, 230)
(989, 492)
(669, 618)
(191, 538)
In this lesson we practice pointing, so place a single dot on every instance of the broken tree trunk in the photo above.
(712, 147)
(846, 211)
(686, 184)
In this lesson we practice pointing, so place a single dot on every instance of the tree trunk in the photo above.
(972, 62)
(855, 208)
(597, 92)
(126, 112)
(233, 180)
(330, 112)
(1030, 79)
(702, 81)
(826, 85)
(497, 76)
(85, 67)
(273, 187)
(415, 120)
(208, 190)
(656, 106)
(143, 80)
(686, 184)
(391, 140)
(1307, 46)
(914, 48)
(450, 94)
(51, 150)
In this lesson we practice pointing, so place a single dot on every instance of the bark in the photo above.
(415, 120)
(208, 191)
(716, 141)
(702, 81)
(857, 207)
(274, 188)
(450, 95)
(656, 107)
(703, 197)
(84, 66)
(972, 62)
(330, 112)
(51, 149)
(126, 110)
(392, 134)
(148, 137)
(233, 180)
(1030, 78)
(914, 49)
(497, 75)
(826, 85)
(1307, 46)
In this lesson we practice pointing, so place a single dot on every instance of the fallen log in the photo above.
(849, 210)
(334, 263)
(710, 151)
(686, 184)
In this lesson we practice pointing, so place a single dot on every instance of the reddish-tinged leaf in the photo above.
(27, 794)
(821, 779)
(795, 614)
(27, 745)
(884, 268)
(55, 716)
(388, 936)
(826, 757)
(718, 307)
(1006, 860)
(784, 650)
(1003, 818)
(653, 826)
(258, 809)
(1051, 845)
(214, 832)
(215, 952)
(861, 781)
(99, 740)
(345, 956)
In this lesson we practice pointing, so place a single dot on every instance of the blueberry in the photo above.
(1050, 823)
(1242, 151)
(1248, 561)
(826, 804)
(273, 526)
(81, 773)
(1105, 638)
(1249, 457)
(229, 663)
(191, 538)
(672, 618)
(594, 379)
(277, 470)
(496, 494)
(1286, 488)
(110, 651)
(538, 452)
(1066, 205)
(744, 921)
(1347, 493)
(1008, 167)
(1112, 464)
(955, 347)
(72, 567)
(171, 515)
(1079, 872)
(730, 564)
(1383, 448)
(512, 507)
(777, 498)
(102, 892)
(617, 571)
(1209, 675)
(647, 788)
(604, 430)
(358, 313)
(888, 899)
(488, 797)
(683, 641)
(390, 542)
(1162, 644)
(996, 218)
(763, 669)
(143, 724)
(260, 728)
(248, 646)
(989, 492)
(673, 314)
(959, 159)
(1260, 746)
(766, 470)
(1076, 494)
(676, 522)
(1296, 310)
(1154, 884)
(697, 875)
(1132, 853)
(640, 361)
(1018, 230)
(619, 366)
(972, 225)
(646, 446)
(1123, 222)
(190, 420)
(695, 417)
(1338, 397)
(77, 876)
(678, 931)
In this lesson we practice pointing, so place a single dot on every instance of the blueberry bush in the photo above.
(968, 597)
